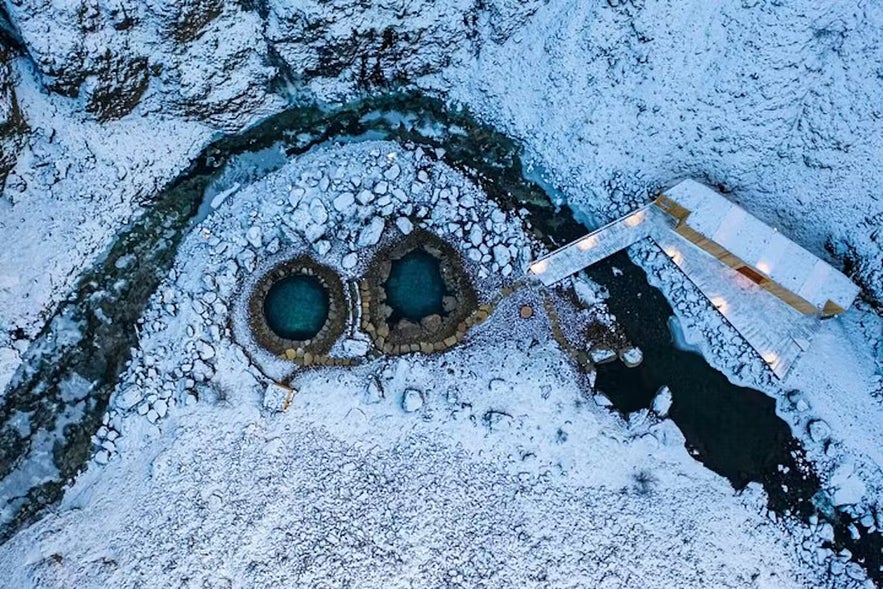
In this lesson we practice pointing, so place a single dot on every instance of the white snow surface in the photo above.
(776, 103)
(501, 475)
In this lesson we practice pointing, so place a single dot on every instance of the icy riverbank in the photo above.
(620, 101)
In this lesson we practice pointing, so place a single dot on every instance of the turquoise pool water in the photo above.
(415, 287)
(296, 307)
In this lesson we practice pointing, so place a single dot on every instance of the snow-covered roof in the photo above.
(762, 247)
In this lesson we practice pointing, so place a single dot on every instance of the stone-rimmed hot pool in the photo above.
(296, 307)
(415, 288)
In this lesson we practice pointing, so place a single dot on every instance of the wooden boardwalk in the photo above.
(778, 333)
(599, 244)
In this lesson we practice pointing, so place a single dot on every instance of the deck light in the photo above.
(587, 243)
(539, 267)
(720, 303)
(764, 267)
(674, 254)
(635, 219)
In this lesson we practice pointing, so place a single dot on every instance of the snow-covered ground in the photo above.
(484, 465)
(75, 184)
(777, 103)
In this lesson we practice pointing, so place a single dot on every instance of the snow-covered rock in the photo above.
(349, 261)
(412, 400)
(848, 487)
(476, 236)
(371, 233)
(502, 257)
(373, 392)
(12, 124)
(130, 397)
(344, 201)
(631, 357)
(662, 402)
(404, 224)
(318, 212)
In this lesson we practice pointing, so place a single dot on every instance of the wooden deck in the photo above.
(777, 332)
(599, 244)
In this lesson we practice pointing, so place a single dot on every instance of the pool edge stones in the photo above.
(434, 333)
(330, 331)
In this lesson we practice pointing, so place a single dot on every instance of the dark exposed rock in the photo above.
(224, 76)
(431, 323)
(505, 16)
(13, 128)
(119, 85)
(449, 303)
(863, 258)
(212, 59)
(192, 16)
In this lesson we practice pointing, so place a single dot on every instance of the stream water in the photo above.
(45, 430)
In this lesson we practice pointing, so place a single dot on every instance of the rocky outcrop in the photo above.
(863, 255)
(13, 128)
(224, 75)
(87, 50)
(379, 45)
(219, 61)
(188, 19)
(116, 87)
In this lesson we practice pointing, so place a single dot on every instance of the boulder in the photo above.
(371, 233)
(404, 224)
(412, 400)
(344, 201)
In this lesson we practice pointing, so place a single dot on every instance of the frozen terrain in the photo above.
(481, 465)
(506, 471)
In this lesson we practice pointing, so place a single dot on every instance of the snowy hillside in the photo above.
(491, 459)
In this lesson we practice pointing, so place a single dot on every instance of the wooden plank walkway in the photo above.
(599, 244)
(778, 333)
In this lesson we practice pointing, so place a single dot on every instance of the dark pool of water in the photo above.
(733, 430)
(296, 307)
(415, 287)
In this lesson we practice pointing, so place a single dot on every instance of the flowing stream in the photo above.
(58, 397)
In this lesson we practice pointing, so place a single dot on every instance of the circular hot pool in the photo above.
(296, 307)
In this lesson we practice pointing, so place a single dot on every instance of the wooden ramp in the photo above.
(778, 333)
(599, 244)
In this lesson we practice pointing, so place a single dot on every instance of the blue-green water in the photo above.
(415, 287)
(296, 307)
